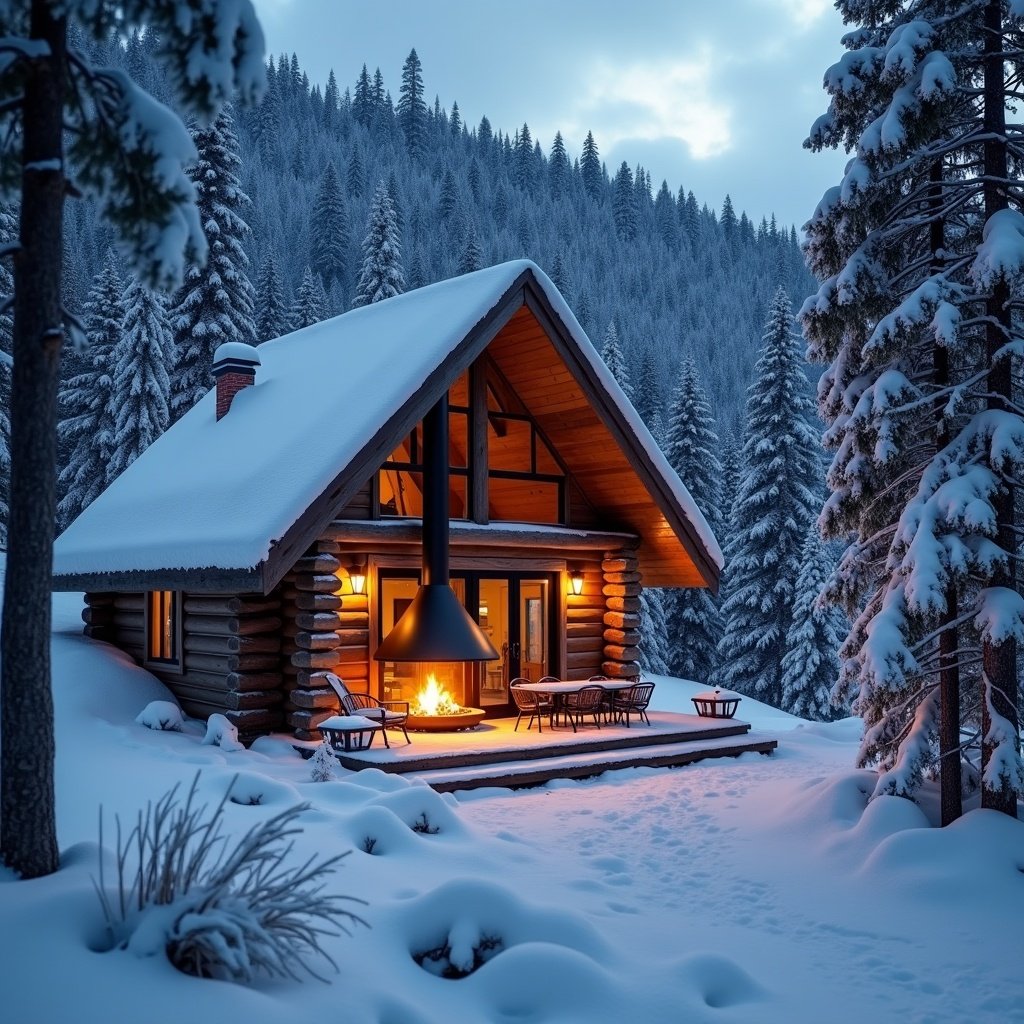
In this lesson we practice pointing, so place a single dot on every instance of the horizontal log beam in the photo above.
(217, 625)
(203, 643)
(234, 606)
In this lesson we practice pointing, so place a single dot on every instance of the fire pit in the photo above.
(435, 710)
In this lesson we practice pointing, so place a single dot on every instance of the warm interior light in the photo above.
(357, 577)
(434, 699)
(576, 582)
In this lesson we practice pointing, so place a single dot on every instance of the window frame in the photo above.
(176, 662)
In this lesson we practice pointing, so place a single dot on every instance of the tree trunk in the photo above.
(950, 784)
(999, 664)
(28, 833)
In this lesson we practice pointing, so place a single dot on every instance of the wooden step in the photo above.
(585, 765)
(638, 735)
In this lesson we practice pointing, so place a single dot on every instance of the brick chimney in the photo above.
(234, 368)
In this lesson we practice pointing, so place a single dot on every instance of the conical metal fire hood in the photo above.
(435, 627)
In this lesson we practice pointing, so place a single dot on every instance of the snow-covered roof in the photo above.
(214, 494)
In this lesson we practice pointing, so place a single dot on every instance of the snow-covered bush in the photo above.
(322, 765)
(221, 733)
(161, 715)
(218, 907)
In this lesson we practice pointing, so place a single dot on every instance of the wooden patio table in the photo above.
(558, 689)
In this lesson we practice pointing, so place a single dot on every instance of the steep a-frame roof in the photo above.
(230, 504)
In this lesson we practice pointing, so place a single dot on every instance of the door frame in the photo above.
(471, 581)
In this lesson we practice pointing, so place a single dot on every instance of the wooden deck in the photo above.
(496, 755)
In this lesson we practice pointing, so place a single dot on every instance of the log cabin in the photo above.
(462, 441)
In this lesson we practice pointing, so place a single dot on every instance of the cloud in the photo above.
(650, 101)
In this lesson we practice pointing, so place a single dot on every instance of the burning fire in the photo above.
(433, 699)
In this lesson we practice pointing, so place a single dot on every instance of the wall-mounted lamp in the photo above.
(576, 582)
(357, 577)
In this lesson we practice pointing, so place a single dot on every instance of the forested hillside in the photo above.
(682, 281)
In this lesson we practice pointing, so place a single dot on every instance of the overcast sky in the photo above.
(713, 95)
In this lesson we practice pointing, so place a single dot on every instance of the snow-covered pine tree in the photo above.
(590, 167)
(216, 303)
(323, 762)
(810, 666)
(654, 640)
(691, 447)
(310, 305)
(732, 469)
(613, 358)
(87, 407)
(624, 204)
(328, 231)
(920, 253)
(776, 502)
(272, 317)
(654, 632)
(472, 255)
(381, 276)
(141, 382)
(647, 394)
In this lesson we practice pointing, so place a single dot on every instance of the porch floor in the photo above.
(494, 754)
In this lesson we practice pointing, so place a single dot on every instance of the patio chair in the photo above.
(392, 714)
(633, 701)
(606, 703)
(530, 702)
(587, 700)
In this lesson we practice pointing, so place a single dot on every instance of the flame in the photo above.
(434, 699)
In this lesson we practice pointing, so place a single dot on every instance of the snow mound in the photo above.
(979, 857)
(475, 921)
(221, 733)
(161, 716)
(251, 789)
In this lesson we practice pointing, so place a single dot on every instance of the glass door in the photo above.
(515, 612)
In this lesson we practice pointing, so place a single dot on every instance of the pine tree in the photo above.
(141, 381)
(310, 305)
(647, 395)
(323, 762)
(654, 632)
(382, 275)
(331, 100)
(810, 666)
(666, 218)
(523, 164)
(87, 403)
(328, 231)
(412, 111)
(691, 447)
(354, 176)
(558, 168)
(590, 167)
(921, 266)
(362, 102)
(624, 204)
(611, 353)
(216, 303)
(776, 502)
(127, 153)
(472, 255)
(448, 202)
(272, 319)
(732, 471)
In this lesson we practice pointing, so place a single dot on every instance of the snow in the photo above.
(239, 483)
(237, 350)
(750, 891)
(162, 715)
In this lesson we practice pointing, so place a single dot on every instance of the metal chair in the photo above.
(528, 701)
(606, 703)
(587, 700)
(633, 701)
(392, 714)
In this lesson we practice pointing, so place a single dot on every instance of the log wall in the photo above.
(327, 629)
(231, 653)
(584, 614)
(620, 571)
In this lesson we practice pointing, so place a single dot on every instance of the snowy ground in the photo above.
(753, 890)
